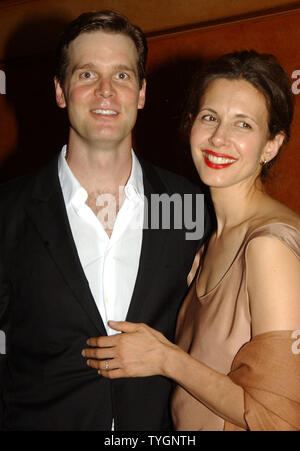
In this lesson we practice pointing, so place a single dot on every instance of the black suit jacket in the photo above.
(48, 312)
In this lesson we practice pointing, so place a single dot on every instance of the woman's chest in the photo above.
(216, 262)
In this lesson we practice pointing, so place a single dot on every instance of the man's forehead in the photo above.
(101, 37)
(99, 45)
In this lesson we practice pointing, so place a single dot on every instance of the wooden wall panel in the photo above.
(171, 60)
(33, 128)
(151, 15)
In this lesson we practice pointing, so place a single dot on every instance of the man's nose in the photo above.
(105, 88)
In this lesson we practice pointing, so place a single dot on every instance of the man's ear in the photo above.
(142, 95)
(59, 94)
(273, 146)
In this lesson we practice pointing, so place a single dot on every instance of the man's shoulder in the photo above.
(13, 200)
(173, 182)
(15, 188)
(18, 190)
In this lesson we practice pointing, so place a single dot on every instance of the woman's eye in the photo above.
(208, 118)
(243, 124)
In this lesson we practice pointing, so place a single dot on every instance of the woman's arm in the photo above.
(142, 351)
(274, 291)
(273, 280)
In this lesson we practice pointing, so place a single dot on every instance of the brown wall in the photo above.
(151, 15)
(33, 128)
(171, 58)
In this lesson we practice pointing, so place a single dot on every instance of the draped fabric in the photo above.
(216, 329)
(268, 369)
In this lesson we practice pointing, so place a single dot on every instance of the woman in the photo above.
(234, 361)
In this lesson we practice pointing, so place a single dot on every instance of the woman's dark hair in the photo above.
(108, 21)
(261, 70)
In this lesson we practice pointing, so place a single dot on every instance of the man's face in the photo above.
(101, 89)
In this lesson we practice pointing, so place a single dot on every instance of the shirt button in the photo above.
(82, 193)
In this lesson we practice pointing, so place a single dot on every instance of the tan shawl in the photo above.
(268, 369)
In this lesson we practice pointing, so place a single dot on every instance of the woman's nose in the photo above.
(220, 135)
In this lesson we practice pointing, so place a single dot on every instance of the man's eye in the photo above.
(122, 76)
(87, 75)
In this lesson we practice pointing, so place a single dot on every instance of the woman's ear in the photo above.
(273, 146)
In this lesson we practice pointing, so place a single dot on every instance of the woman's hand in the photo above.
(137, 352)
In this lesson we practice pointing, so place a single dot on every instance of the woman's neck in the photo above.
(236, 204)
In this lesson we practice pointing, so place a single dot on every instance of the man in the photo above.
(76, 250)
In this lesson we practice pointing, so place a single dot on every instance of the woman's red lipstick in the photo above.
(214, 164)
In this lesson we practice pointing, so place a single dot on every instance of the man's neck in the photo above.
(100, 171)
(103, 173)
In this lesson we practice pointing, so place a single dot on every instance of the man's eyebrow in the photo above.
(92, 66)
(125, 68)
(83, 66)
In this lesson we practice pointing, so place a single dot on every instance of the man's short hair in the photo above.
(107, 21)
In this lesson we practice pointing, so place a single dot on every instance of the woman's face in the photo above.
(230, 136)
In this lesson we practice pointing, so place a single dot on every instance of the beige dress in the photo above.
(212, 328)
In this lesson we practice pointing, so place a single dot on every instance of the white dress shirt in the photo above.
(110, 263)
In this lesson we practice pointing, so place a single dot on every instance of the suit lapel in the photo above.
(47, 211)
(154, 241)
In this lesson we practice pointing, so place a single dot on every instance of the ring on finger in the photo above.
(106, 365)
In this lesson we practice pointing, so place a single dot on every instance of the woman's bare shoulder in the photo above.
(274, 211)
